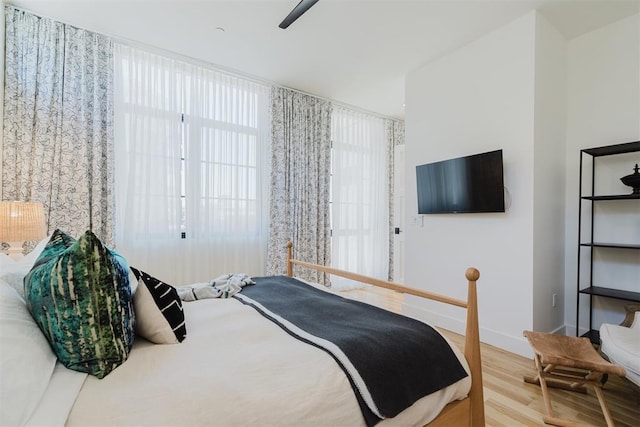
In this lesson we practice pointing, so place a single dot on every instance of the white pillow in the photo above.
(13, 271)
(32, 256)
(26, 359)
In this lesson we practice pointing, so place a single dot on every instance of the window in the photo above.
(221, 162)
(191, 147)
(359, 195)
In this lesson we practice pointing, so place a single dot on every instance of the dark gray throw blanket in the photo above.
(391, 360)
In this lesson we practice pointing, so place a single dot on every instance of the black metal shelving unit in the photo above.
(587, 242)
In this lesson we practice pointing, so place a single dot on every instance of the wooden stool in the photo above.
(584, 367)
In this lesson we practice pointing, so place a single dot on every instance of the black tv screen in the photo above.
(463, 185)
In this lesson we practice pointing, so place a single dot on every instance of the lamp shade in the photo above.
(21, 221)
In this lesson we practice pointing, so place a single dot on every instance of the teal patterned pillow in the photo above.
(78, 292)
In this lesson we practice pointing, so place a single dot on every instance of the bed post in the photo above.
(472, 350)
(289, 258)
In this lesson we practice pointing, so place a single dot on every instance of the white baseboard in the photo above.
(560, 330)
(570, 330)
(515, 344)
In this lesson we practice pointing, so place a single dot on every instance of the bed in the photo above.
(237, 368)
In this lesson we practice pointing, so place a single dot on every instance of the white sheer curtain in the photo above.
(192, 150)
(360, 208)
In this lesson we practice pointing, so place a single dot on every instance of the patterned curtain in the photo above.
(395, 136)
(300, 181)
(58, 125)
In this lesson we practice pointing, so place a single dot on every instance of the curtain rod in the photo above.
(209, 65)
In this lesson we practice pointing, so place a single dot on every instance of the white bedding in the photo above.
(235, 368)
(53, 409)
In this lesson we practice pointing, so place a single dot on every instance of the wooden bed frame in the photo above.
(470, 410)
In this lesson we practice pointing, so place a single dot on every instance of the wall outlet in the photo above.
(554, 297)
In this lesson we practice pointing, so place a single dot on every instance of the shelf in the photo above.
(628, 147)
(611, 293)
(619, 197)
(610, 245)
(593, 335)
(587, 234)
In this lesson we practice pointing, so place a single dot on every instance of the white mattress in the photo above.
(235, 368)
(622, 347)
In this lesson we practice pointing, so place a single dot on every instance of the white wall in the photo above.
(540, 98)
(476, 99)
(549, 172)
(603, 109)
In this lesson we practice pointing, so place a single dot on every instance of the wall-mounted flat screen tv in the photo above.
(463, 185)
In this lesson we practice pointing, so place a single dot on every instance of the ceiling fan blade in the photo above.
(297, 12)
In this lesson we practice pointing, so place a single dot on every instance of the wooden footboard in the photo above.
(469, 411)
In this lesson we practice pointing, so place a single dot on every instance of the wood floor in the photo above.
(509, 401)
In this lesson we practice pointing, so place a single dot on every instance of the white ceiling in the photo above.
(354, 51)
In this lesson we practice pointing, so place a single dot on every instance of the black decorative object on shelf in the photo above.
(633, 180)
